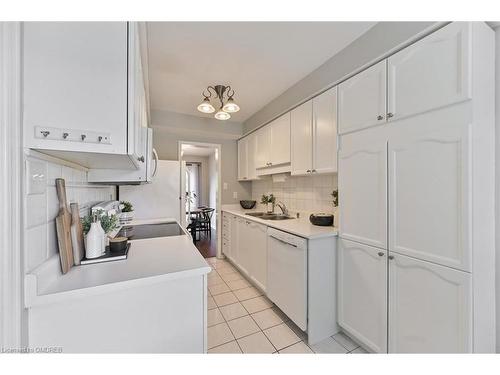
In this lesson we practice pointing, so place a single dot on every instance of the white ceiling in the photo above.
(259, 60)
(194, 150)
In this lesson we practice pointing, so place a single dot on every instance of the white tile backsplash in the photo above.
(304, 194)
(42, 206)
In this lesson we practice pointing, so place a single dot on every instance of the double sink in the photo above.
(266, 216)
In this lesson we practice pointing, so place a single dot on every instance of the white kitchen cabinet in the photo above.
(252, 250)
(243, 159)
(81, 97)
(301, 139)
(226, 235)
(263, 138)
(325, 132)
(430, 307)
(362, 293)
(432, 73)
(244, 258)
(273, 146)
(430, 175)
(363, 187)
(280, 140)
(251, 156)
(362, 99)
(247, 158)
(313, 127)
(234, 240)
(257, 233)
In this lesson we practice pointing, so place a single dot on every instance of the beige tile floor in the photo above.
(242, 320)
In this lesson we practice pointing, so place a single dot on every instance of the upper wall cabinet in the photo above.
(81, 85)
(314, 135)
(325, 132)
(247, 150)
(362, 99)
(432, 73)
(273, 147)
(243, 159)
(301, 138)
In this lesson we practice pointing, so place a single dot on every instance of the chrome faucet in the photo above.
(283, 208)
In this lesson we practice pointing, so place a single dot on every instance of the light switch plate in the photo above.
(36, 177)
(235, 194)
(224, 186)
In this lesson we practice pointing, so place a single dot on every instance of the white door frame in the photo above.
(218, 211)
(11, 188)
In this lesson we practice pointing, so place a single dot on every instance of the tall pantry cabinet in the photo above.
(416, 247)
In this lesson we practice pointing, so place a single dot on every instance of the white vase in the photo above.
(93, 241)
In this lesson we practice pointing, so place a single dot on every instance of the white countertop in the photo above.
(149, 260)
(301, 227)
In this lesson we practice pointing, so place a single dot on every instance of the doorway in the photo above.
(201, 193)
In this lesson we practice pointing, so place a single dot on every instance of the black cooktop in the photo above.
(137, 232)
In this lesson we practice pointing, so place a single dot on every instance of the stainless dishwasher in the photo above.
(287, 274)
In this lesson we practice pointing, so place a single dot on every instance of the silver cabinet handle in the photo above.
(391, 257)
(280, 240)
(380, 254)
(308, 171)
(314, 170)
(155, 156)
(141, 159)
(45, 133)
(380, 117)
(65, 135)
(83, 136)
(390, 114)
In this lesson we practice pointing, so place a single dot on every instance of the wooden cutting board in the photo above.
(63, 226)
(76, 234)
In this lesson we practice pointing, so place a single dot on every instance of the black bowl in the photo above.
(323, 220)
(246, 204)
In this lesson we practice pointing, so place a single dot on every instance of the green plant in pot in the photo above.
(268, 200)
(127, 212)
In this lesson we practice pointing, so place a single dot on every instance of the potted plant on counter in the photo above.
(127, 212)
(268, 200)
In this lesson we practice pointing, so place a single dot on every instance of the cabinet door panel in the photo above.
(258, 268)
(251, 156)
(362, 99)
(325, 132)
(432, 73)
(301, 139)
(430, 189)
(280, 140)
(362, 293)
(244, 246)
(362, 184)
(429, 308)
(234, 241)
(263, 138)
(75, 78)
(242, 159)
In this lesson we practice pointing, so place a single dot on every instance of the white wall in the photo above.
(304, 194)
(170, 127)
(42, 208)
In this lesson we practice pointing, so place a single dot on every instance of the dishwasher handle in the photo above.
(282, 241)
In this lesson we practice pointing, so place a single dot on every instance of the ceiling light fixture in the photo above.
(227, 104)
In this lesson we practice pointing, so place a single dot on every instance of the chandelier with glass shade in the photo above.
(225, 96)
